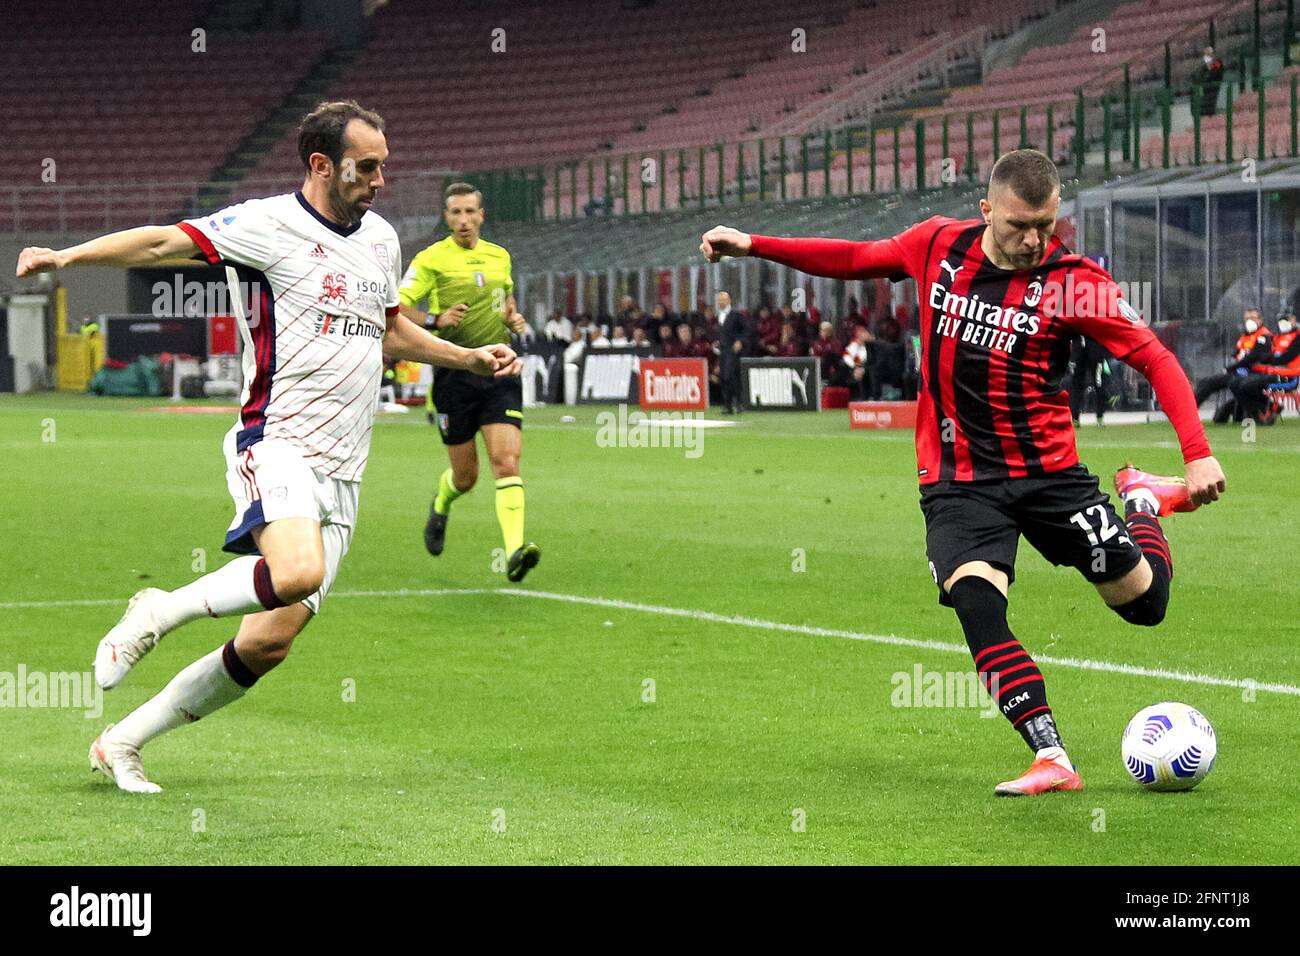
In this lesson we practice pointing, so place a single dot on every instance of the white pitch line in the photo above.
(1205, 680)
(121, 602)
(1109, 667)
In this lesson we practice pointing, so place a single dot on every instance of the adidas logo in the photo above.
(317, 253)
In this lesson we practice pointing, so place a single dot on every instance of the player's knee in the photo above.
(298, 577)
(1149, 608)
(505, 465)
(465, 478)
(267, 650)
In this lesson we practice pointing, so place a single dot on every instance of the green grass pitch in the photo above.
(495, 727)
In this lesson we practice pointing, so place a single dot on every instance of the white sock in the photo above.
(1056, 755)
(220, 593)
(198, 690)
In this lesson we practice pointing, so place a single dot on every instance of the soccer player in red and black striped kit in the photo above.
(1001, 299)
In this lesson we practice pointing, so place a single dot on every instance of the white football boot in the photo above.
(130, 639)
(121, 764)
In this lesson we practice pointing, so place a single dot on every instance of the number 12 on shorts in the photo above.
(1100, 532)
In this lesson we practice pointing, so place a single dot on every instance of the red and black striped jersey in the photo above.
(995, 345)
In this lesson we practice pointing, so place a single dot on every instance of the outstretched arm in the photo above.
(834, 258)
(142, 246)
(406, 340)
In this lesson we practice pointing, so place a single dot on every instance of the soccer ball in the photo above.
(1168, 746)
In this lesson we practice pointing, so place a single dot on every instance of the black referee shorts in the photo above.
(464, 402)
(1065, 516)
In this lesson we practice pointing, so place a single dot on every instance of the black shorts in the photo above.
(464, 402)
(1064, 516)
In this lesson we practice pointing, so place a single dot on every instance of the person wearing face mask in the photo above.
(1281, 368)
(1253, 348)
(1210, 77)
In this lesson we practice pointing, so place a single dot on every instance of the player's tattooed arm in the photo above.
(406, 340)
(142, 246)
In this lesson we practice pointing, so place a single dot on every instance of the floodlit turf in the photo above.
(500, 728)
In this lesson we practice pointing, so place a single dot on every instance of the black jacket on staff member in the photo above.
(734, 329)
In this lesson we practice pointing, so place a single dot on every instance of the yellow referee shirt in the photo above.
(446, 274)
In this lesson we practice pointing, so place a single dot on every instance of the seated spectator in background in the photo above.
(1281, 368)
(767, 329)
(789, 346)
(618, 339)
(573, 354)
(858, 359)
(707, 324)
(639, 339)
(558, 328)
(684, 344)
(665, 337)
(626, 306)
(807, 329)
(827, 348)
(597, 339)
(1253, 348)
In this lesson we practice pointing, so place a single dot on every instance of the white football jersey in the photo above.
(313, 300)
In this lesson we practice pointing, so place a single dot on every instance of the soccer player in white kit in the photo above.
(317, 276)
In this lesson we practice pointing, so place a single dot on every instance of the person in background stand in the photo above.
(1253, 348)
(1281, 368)
(735, 340)
(1209, 75)
(1091, 370)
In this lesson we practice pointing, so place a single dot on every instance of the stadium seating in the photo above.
(1133, 32)
(1245, 129)
(110, 104)
(165, 118)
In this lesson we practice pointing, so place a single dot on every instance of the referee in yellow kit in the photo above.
(460, 289)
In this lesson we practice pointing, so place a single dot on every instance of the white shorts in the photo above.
(269, 480)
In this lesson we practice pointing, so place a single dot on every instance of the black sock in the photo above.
(1008, 672)
(1149, 609)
